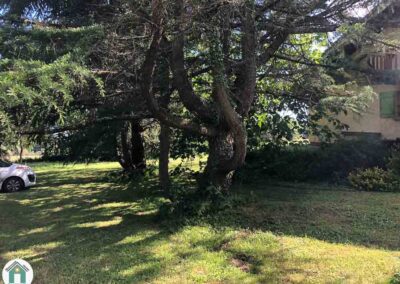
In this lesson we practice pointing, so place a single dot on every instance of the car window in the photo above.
(4, 164)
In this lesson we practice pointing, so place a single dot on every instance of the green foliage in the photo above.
(332, 162)
(285, 112)
(47, 44)
(337, 160)
(395, 279)
(47, 76)
(348, 97)
(35, 95)
(96, 143)
(7, 135)
(190, 204)
(185, 145)
(374, 179)
(70, 12)
(45, 79)
(291, 104)
(288, 163)
(272, 122)
(377, 179)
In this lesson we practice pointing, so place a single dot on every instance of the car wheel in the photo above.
(13, 184)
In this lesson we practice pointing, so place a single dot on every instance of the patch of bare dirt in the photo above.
(241, 264)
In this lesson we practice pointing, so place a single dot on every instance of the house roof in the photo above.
(379, 9)
(384, 14)
(16, 263)
(373, 18)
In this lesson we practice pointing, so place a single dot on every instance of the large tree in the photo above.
(225, 47)
(58, 74)
(216, 61)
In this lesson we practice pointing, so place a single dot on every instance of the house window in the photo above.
(390, 104)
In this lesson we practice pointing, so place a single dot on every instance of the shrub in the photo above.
(189, 204)
(288, 163)
(374, 179)
(339, 159)
(332, 162)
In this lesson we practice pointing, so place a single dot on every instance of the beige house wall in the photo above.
(371, 121)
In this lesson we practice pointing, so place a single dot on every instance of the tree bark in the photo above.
(21, 152)
(225, 130)
(165, 131)
(220, 148)
(132, 154)
(163, 165)
(221, 163)
(137, 147)
(125, 157)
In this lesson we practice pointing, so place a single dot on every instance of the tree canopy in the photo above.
(226, 75)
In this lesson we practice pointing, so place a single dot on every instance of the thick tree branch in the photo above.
(80, 126)
(246, 77)
(273, 47)
(235, 126)
(180, 76)
(304, 61)
(147, 74)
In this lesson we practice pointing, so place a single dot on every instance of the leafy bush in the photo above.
(395, 279)
(289, 163)
(188, 203)
(374, 179)
(339, 159)
(331, 162)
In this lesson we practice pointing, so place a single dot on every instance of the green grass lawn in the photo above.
(77, 226)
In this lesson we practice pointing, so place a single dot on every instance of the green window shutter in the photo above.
(387, 104)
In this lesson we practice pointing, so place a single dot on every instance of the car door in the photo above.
(4, 167)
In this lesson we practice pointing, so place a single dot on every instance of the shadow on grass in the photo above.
(333, 214)
(75, 220)
(81, 221)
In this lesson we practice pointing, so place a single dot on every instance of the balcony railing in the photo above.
(386, 61)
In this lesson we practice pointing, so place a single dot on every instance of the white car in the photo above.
(14, 177)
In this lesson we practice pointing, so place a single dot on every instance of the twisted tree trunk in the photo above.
(221, 148)
(227, 152)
